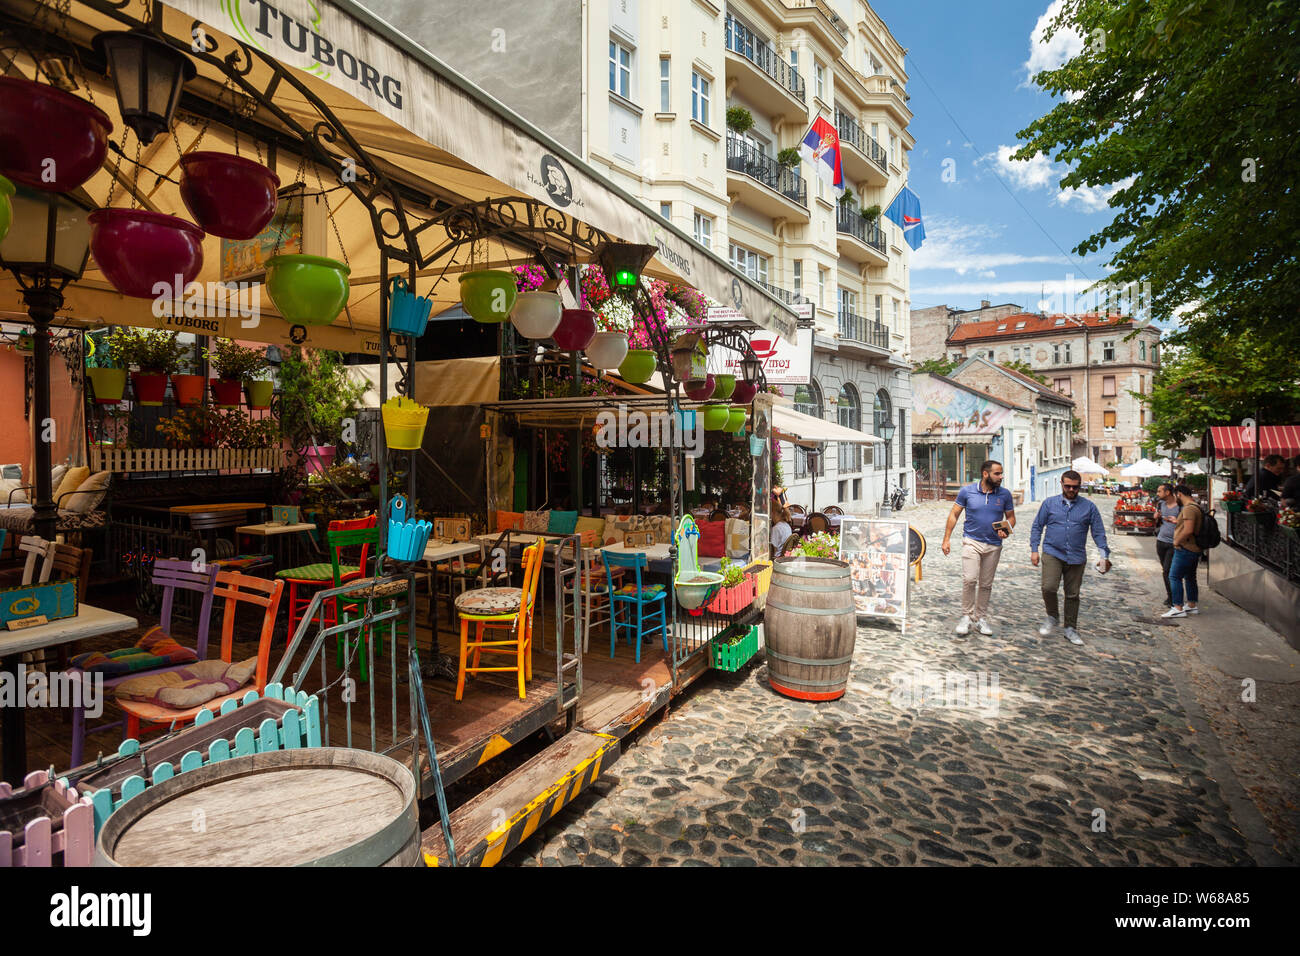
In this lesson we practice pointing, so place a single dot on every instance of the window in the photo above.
(1153, 351)
(1142, 350)
(1143, 417)
(1002, 327)
(821, 288)
(794, 61)
(1108, 418)
(700, 87)
(1067, 353)
(989, 355)
(798, 278)
(620, 69)
(665, 86)
(666, 210)
(1108, 351)
(882, 413)
(1108, 386)
(704, 230)
(880, 309)
(820, 72)
(893, 316)
(850, 416)
(749, 262)
(1020, 325)
(1059, 322)
(1142, 384)
(1056, 354)
(1063, 385)
(808, 399)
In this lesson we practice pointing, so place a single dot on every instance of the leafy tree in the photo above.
(936, 366)
(1076, 425)
(1189, 108)
(1024, 368)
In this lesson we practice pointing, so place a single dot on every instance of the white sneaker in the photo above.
(1049, 624)
(963, 626)
(1073, 637)
(983, 627)
(1175, 611)
(1192, 609)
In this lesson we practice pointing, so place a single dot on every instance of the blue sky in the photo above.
(973, 61)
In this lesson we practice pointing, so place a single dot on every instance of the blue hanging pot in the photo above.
(406, 537)
(408, 313)
(756, 445)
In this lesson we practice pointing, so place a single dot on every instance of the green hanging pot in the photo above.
(723, 386)
(6, 207)
(307, 290)
(735, 420)
(109, 384)
(638, 367)
(259, 393)
(716, 417)
(488, 295)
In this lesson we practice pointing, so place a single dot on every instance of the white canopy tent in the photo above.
(1086, 466)
(789, 425)
(1142, 468)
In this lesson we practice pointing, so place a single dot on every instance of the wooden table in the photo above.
(224, 506)
(89, 622)
(272, 529)
(436, 552)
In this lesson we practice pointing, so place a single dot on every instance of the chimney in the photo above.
(985, 303)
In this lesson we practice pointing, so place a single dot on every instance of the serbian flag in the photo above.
(821, 147)
(905, 210)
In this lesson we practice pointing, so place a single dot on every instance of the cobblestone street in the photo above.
(1044, 753)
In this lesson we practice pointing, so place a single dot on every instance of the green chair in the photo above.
(321, 575)
(365, 537)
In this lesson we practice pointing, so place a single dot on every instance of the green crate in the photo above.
(732, 657)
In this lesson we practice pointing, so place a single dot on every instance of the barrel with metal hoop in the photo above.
(809, 628)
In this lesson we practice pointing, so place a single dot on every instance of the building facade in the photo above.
(931, 327)
(1103, 362)
(1050, 447)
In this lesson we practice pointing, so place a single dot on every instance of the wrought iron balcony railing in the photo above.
(851, 133)
(743, 157)
(856, 328)
(742, 40)
(785, 295)
(850, 222)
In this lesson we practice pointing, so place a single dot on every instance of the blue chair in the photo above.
(648, 605)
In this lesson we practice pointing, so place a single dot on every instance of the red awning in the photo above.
(1235, 441)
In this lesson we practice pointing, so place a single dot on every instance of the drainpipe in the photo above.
(582, 95)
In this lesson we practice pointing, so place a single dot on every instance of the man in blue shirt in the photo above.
(985, 502)
(1063, 522)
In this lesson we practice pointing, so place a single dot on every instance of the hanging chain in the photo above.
(302, 195)
(330, 213)
(117, 167)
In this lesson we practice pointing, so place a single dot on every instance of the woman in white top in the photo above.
(781, 529)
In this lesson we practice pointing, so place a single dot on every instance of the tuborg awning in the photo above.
(1237, 441)
(789, 425)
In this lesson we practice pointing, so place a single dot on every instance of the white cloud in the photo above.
(1050, 54)
(1041, 173)
(963, 248)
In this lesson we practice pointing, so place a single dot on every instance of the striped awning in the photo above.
(1238, 441)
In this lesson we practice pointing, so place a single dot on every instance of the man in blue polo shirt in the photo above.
(984, 501)
(1063, 522)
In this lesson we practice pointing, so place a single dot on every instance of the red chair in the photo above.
(319, 576)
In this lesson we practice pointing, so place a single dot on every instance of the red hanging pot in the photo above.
(743, 393)
(576, 329)
(701, 391)
(188, 389)
(228, 196)
(227, 393)
(40, 123)
(137, 249)
(150, 387)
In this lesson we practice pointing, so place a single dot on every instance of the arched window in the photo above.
(850, 416)
(882, 415)
(808, 400)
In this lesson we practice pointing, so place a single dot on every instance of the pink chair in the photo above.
(171, 575)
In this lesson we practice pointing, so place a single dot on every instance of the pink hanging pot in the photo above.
(228, 196)
(49, 139)
(576, 329)
(137, 250)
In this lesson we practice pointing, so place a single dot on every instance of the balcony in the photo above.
(859, 240)
(761, 76)
(855, 328)
(788, 297)
(818, 18)
(764, 185)
(887, 93)
(864, 159)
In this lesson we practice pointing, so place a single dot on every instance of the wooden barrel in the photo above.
(308, 807)
(809, 628)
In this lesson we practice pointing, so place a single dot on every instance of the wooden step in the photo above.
(505, 814)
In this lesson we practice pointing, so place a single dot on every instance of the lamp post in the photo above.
(45, 250)
(885, 429)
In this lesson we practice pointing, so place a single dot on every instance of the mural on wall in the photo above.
(944, 409)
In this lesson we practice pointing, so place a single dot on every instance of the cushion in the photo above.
(488, 602)
(737, 538)
(561, 522)
(509, 521)
(322, 571)
(713, 539)
(661, 525)
(536, 521)
(11, 471)
(190, 686)
(8, 485)
(56, 475)
(97, 486)
(587, 523)
(155, 649)
(72, 480)
(648, 591)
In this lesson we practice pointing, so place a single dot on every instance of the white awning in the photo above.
(789, 425)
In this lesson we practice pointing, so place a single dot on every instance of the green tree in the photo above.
(1190, 109)
(936, 366)
(1024, 368)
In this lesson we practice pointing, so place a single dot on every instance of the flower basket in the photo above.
(40, 123)
(229, 196)
(318, 458)
(150, 387)
(724, 386)
(728, 656)
(744, 393)
(702, 391)
(732, 600)
(408, 313)
(188, 389)
(109, 384)
(607, 349)
(307, 290)
(488, 295)
(138, 250)
(716, 417)
(761, 572)
(404, 421)
(259, 393)
(638, 367)
(1233, 506)
(227, 393)
(406, 537)
(576, 329)
(536, 314)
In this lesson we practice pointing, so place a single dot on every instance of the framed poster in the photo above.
(297, 226)
(875, 550)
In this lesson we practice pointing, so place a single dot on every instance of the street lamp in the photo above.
(45, 250)
(813, 456)
(885, 429)
(622, 263)
(148, 77)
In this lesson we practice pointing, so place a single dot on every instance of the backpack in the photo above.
(1207, 535)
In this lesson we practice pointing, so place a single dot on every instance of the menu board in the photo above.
(875, 550)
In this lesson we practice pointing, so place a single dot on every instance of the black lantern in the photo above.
(622, 263)
(751, 366)
(887, 431)
(148, 76)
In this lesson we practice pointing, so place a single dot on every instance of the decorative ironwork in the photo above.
(1261, 540)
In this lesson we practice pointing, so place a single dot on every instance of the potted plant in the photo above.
(1261, 509)
(739, 120)
(1233, 501)
(735, 647)
(106, 367)
(229, 196)
(1288, 519)
(736, 592)
(871, 213)
(139, 251)
(157, 354)
(311, 290)
(235, 366)
(789, 157)
(315, 396)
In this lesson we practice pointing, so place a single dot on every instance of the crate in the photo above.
(761, 572)
(734, 599)
(732, 657)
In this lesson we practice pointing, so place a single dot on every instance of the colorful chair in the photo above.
(351, 538)
(318, 576)
(499, 609)
(634, 600)
(596, 607)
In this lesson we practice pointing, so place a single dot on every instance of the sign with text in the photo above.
(784, 363)
(876, 552)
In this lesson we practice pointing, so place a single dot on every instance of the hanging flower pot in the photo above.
(6, 207)
(702, 391)
(408, 313)
(138, 250)
(228, 196)
(38, 123)
(311, 290)
(404, 421)
(536, 314)
(726, 384)
(607, 349)
(735, 420)
(638, 367)
(188, 389)
(743, 393)
(576, 329)
(716, 417)
(150, 387)
(227, 392)
(318, 458)
(259, 393)
(488, 295)
(109, 384)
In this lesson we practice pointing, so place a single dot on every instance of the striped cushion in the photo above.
(321, 571)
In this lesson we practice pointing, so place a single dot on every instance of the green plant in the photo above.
(847, 199)
(1076, 425)
(234, 362)
(207, 427)
(936, 366)
(739, 119)
(151, 350)
(732, 574)
(871, 213)
(789, 157)
(106, 348)
(315, 396)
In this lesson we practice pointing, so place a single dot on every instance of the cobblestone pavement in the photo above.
(1054, 754)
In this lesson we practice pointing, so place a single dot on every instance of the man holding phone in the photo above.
(990, 516)
(1063, 522)
(1166, 511)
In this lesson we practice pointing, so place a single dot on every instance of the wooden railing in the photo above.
(119, 460)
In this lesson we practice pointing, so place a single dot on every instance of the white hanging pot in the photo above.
(536, 314)
(607, 349)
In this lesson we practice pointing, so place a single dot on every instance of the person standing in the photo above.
(985, 502)
(1166, 511)
(1187, 555)
(1270, 477)
(1062, 523)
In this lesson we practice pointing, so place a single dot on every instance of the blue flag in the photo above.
(905, 211)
